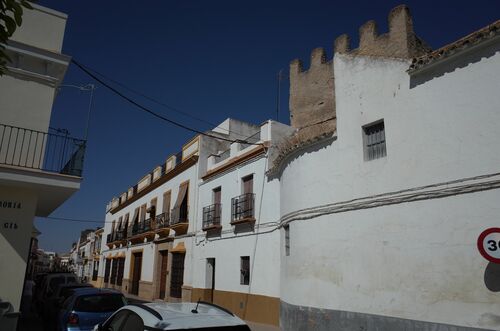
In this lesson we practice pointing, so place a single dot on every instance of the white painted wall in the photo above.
(227, 250)
(42, 27)
(16, 227)
(414, 260)
(147, 272)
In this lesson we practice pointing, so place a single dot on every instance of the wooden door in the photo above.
(177, 275)
(248, 202)
(217, 195)
(248, 184)
(163, 273)
(136, 275)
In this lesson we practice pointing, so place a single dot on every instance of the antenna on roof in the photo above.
(195, 310)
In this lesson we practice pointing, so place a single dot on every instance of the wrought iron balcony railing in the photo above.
(211, 216)
(142, 227)
(162, 221)
(242, 207)
(179, 215)
(33, 149)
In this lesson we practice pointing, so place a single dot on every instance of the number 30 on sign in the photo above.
(488, 244)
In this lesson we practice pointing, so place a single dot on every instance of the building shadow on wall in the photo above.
(463, 59)
(492, 277)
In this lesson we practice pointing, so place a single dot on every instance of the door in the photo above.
(211, 278)
(177, 276)
(163, 273)
(136, 275)
(248, 198)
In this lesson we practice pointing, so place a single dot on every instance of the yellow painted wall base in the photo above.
(250, 307)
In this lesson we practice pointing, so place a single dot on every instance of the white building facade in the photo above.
(147, 246)
(381, 215)
(33, 182)
(236, 254)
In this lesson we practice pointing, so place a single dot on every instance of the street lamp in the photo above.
(84, 88)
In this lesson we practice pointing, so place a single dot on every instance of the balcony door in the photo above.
(247, 192)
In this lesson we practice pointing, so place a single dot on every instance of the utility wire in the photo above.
(72, 219)
(94, 73)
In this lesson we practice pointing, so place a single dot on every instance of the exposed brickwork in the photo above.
(312, 92)
(312, 95)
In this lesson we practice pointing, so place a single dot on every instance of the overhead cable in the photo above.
(147, 110)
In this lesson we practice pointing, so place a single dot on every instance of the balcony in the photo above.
(243, 209)
(162, 225)
(211, 217)
(109, 240)
(179, 221)
(25, 148)
(142, 230)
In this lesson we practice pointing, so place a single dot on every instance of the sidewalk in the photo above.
(262, 327)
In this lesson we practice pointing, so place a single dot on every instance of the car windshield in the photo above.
(99, 303)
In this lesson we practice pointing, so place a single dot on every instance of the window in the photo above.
(287, 240)
(374, 141)
(97, 303)
(245, 270)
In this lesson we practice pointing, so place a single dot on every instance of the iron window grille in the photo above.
(242, 207)
(211, 215)
(245, 270)
(374, 141)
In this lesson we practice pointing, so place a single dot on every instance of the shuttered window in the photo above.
(287, 240)
(245, 270)
(374, 141)
(166, 202)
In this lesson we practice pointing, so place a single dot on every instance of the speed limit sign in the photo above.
(488, 244)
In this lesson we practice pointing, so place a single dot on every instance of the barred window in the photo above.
(374, 141)
(287, 240)
(245, 270)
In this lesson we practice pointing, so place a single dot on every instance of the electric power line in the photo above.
(72, 219)
(94, 73)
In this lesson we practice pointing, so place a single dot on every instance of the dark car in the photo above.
(87, 307)
(54, 303)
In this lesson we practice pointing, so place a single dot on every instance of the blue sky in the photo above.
(211, 59)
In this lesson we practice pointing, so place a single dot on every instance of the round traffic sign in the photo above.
(488, 244)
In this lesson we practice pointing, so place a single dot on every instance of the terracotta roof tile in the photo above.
(472, 39)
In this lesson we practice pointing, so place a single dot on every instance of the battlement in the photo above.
(312, 95)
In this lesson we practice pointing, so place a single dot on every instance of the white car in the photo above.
(202, 316)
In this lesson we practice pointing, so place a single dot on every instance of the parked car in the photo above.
(49, 284)
(54, 303)
(172, 316)
(87, 307)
